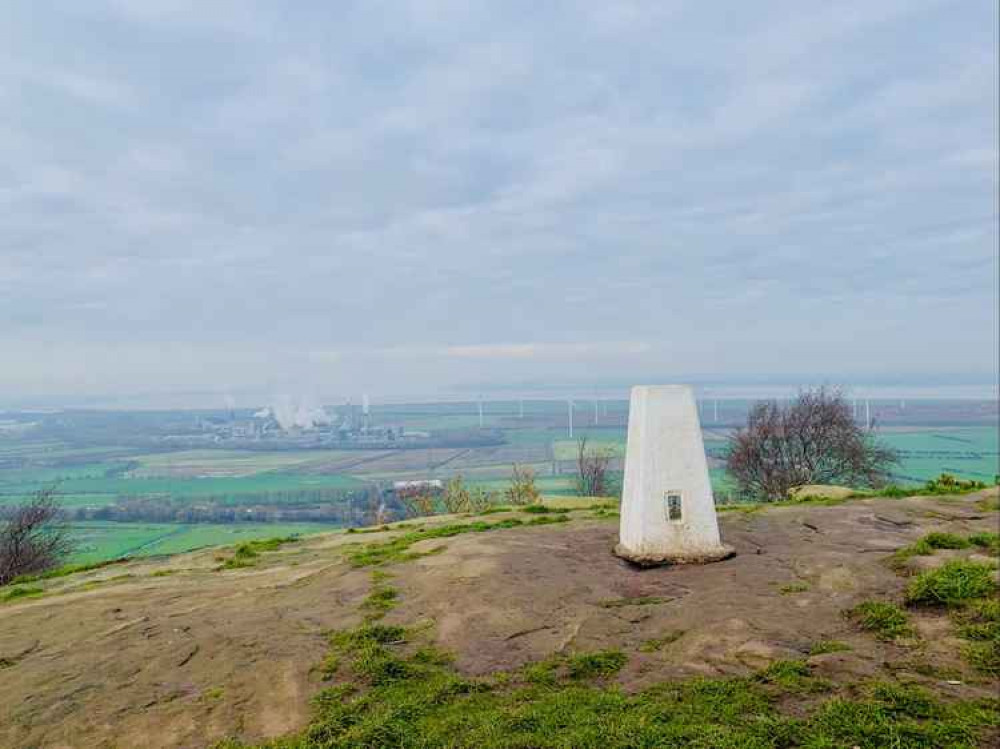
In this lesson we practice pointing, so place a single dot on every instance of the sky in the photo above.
(427, 196)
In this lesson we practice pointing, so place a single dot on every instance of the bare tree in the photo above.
(814, 440)
(33, 537)
(592, 470)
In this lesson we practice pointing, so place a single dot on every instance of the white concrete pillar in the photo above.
(668, 513)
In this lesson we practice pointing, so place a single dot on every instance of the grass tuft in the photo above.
(380, 600)
(790, 675)
(246, 554)
(598, 664)
(544, 509)
(952, 583)
(793, 588)
(398, 549)
(828, 646)
(945, 541)
(988, 541)
(656, 644)
(886, 620)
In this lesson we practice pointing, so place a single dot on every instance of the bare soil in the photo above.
(173, 652)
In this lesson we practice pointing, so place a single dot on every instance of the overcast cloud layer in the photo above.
(403, 197)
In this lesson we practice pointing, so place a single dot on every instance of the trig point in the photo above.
(668, 513)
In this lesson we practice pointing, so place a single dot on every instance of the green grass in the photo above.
(968, 590)
(928, 544)
(945, 541)
(886, 621)
(988, 541)
(602, 663)
(978, 622)
(99, 541)
(543, 509)
(105, 490)
(67, 569)
(790, 588)
(952, 583)
(789, 675)
(398, 549)
(828, 646)
(382, 599)
(969, 452)
(18, 592)
(388, 699)
(247, 553)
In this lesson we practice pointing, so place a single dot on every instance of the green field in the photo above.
(98, 474)
(969, 452)
(92, 486)
(97, 541)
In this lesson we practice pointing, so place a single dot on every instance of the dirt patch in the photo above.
(177, 654)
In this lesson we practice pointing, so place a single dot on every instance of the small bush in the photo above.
(482, 500)
(522, 490)
(886, 620)
(456, 496)
(952, 583)
(948, 484)
(600, 663)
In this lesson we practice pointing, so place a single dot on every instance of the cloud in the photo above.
(432, 193)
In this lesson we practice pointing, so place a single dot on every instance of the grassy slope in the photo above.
(395, 689)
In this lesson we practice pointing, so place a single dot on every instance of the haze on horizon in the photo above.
(404, 197)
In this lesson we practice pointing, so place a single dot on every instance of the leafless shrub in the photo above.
(522, 489)
(592, 470)
(418, 501)
(481, 499)
(814, 440)
(456, 496)
(33, 537)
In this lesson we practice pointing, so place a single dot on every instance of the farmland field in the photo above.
(116, 467)
(97, 541)
(970, 453)
(103, 489)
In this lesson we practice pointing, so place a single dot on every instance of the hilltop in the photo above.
(522, 624)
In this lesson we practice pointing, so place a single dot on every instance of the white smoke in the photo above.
(295, 414)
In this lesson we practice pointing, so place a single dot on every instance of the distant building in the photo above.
(420, 484)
